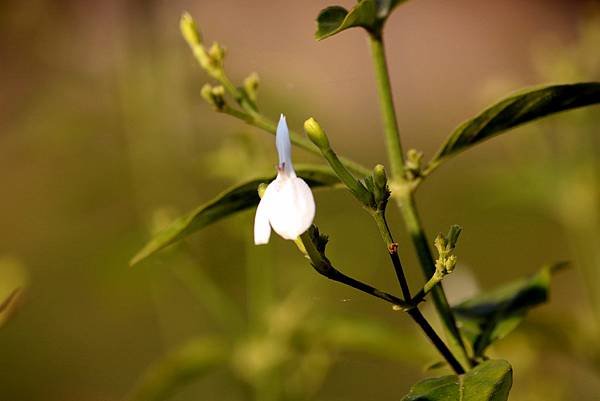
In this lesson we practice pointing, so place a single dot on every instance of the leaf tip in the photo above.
(329, 20)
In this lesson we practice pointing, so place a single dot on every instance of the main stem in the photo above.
(384, 89)
(406, 199)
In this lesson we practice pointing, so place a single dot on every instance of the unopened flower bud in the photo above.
(189, 30)
(214, 95)
(216, 54)
(453, 235)
(379, 176)
(316, 134)
(450, 263)
(251, 86)
(440, 244)
(413, 163)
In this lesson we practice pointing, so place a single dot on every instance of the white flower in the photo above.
(287, 205)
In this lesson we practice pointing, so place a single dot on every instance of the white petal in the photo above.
(262, 229)
(292, 208)
(284, 145)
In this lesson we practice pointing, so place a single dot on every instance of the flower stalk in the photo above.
(322, 265)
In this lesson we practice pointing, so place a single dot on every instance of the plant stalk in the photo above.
(405, 199)
(384, 89)
(414, 312)
(392, 248)
(436, 340)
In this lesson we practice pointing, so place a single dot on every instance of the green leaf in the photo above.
(490, 316)
(489, 381)
(184, 365)
(233, 200)
(521, 108)
(368, 14)
(335, 19)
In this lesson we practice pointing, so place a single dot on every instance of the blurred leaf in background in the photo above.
(102, 124)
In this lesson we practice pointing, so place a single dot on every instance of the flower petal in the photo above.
(262, 228)
(284, 146)
(292, 209)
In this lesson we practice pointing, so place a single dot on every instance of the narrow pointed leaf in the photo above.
(490, 381)
(518, 109)
(233, 200)
(490, 316)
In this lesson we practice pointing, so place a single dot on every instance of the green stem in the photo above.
(395, 154)
(392, 248)
(259, 121)
(413, 224)
(429, 285)
(436, 340)
(390, 124)
(323, 266)
(414, 313)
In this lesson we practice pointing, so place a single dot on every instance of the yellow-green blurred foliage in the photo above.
(104, 137)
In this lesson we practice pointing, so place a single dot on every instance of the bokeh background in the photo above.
(104, 137)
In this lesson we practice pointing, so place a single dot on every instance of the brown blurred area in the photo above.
(101, 124)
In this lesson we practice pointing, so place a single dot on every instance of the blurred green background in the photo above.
(104, 137)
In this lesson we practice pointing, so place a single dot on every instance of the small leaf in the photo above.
(491, 316)
(190, 362)
(233, 200)
(368, 14)
(332, 20)
(518, 109)
(489, 381)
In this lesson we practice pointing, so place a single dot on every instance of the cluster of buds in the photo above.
(445, 245)
(413, 164)
(212, 59)
(214, 95)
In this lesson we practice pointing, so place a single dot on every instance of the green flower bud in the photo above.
(453, 235)
(216, 54)
(316, 134)
(440, 244)
(450, 263)
(413, 163)
(206, 93)
(251, 86)
(214, 95)
(189, 30)
(379, 176)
